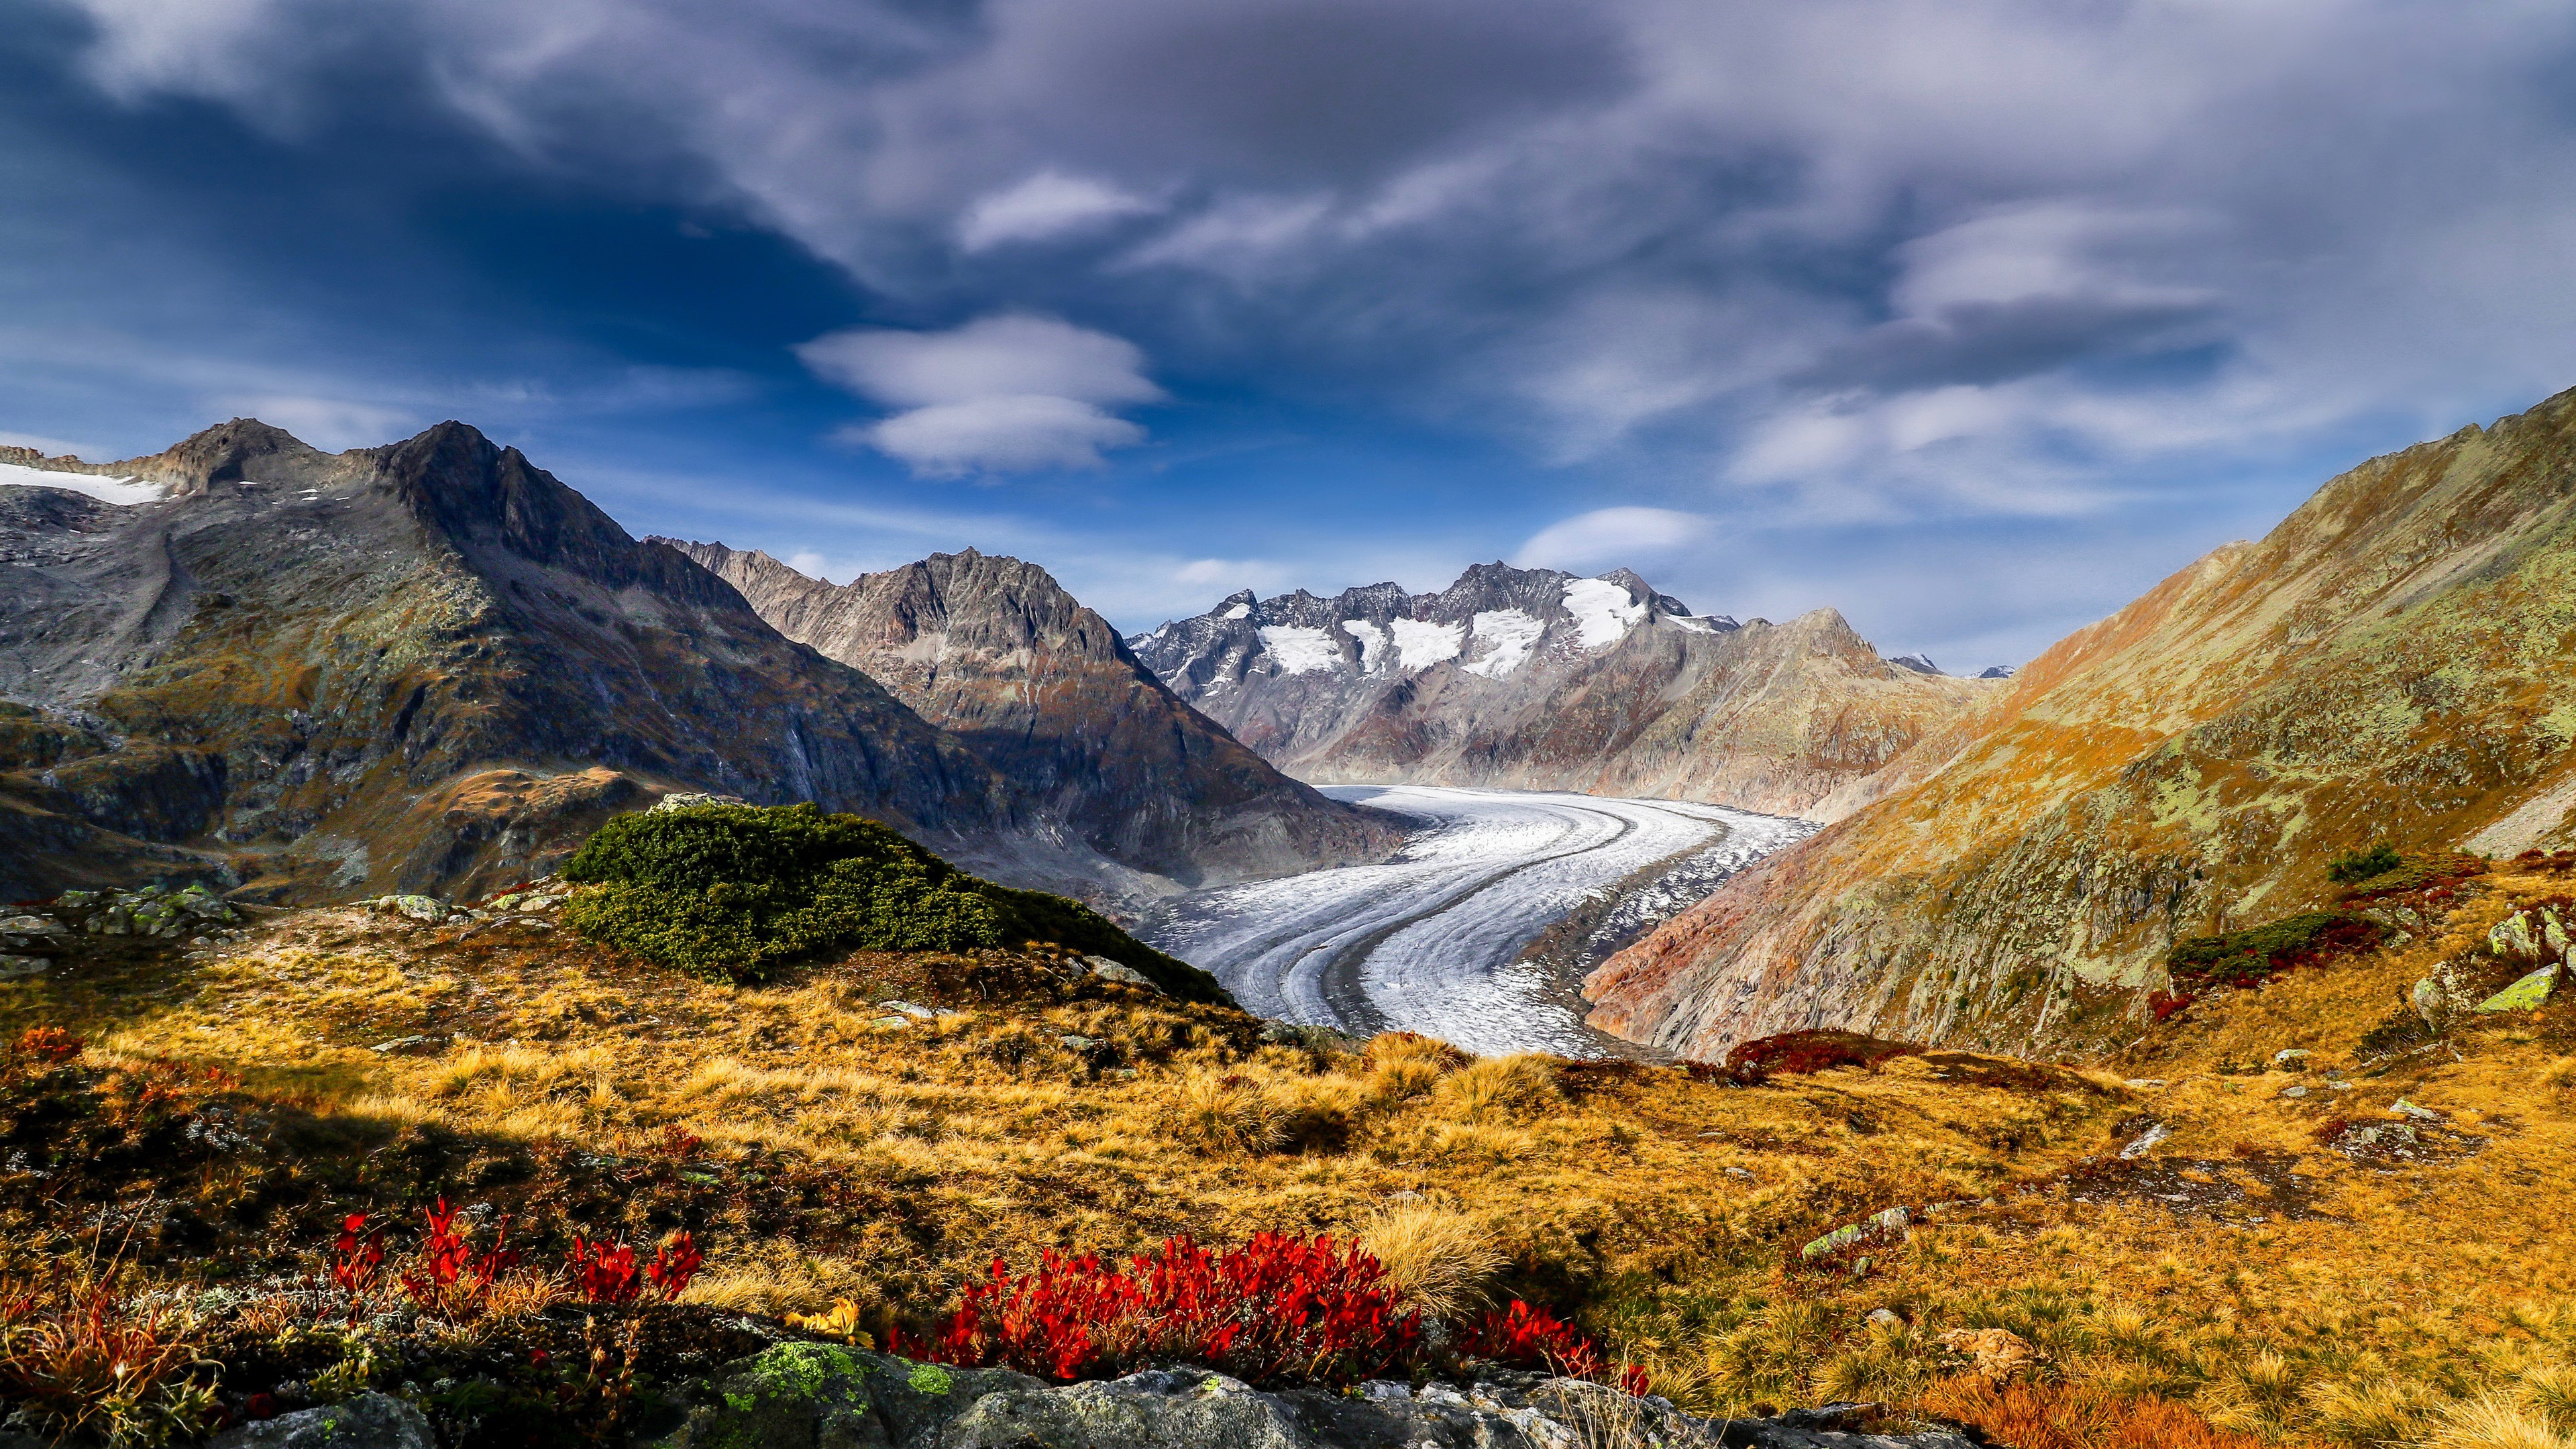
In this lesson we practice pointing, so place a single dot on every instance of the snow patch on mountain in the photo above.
(1512, 633)
(1300, 651)
(1373, 643)
(106, 490)
(1603, 612)
(1239, 611)
(1420, 643)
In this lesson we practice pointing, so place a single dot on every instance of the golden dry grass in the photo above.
(2244, 1272)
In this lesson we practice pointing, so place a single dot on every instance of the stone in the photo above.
(14, 967)
(805, 1394)
(2294, 1059)
(2512, 937)
(425, 909)
(911, 1009)
(403, 1044)
(369, 1421)
(2404, 1108)
(685, 799)
(891, 1023)
(1108, 970)
(34, 926)
(2528, 994)
(1884, 1318)
(2553, 933)
(2294, 1092)
(2146, 1142)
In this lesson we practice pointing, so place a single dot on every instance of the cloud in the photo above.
(1004, 394)
(1607, 538)
(1045, 207)
(331, 424)
(1008, 434)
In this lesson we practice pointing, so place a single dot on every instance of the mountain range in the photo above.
(2389, 664)
(431, 666)
(1537, 679)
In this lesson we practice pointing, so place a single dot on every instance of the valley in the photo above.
(1434, 940)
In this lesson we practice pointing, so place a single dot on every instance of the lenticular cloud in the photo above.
(1004, 394)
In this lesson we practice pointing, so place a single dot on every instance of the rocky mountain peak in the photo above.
(1919, 663)
(229, 452)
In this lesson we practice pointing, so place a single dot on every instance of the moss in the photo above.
(732, 892)
(800, 1370)
(930, 1378)
(2362, 865)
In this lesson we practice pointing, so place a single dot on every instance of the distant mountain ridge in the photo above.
(996, 652)
(1539, 679)
(2390, 662)
(426, 666)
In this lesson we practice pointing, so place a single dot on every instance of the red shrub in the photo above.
(602, 1274)
(449, 1270)
(1755, 1062)
(48, 1046)
(2165, 1003)
(1526, 1337)
(674, 1264)
(1278, 1309)
(355, 1258)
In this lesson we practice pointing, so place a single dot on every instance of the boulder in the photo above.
(685, 800)
(806, 1395)
(2513, 938)
(2528, 994)
(1108, 970)
(369, 1421)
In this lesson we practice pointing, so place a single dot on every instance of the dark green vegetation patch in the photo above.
(734, 891)
(2241, 958)
(2361, 865)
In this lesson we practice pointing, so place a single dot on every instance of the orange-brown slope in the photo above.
(2389, 662)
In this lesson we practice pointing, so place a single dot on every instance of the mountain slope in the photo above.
(2390, 662)
(426, 666)
(1530, 678)
(997, 653)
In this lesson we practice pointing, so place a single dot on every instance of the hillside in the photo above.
(2388, 663)
(995, 652)
(2217, 1237)
(1534, 679)
(428, 666)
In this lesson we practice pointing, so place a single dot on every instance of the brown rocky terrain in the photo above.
(2389, 663)
(427, 667)
(994, 651)
(1534, 679)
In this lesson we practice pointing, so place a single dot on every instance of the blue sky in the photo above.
(1971, 319)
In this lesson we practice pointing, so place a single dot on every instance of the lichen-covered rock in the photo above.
(2528, 994)
(819, 1396)
(369, 1421)
(2513, 938)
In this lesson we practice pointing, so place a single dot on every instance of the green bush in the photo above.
(2241, 958)
(2363, 864)
(733, 891)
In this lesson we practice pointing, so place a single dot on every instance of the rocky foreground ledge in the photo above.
(817, 1396)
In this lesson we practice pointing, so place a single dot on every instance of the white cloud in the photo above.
(331, 424)
(1009, 393)
(1045, 207)
(1607, 538)
(52, 447)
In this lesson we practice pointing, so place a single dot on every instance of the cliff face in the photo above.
(1533, 679)
(428, 666)
(996, 653)
(2390, 662)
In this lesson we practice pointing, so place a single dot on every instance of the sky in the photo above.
(1970, 318)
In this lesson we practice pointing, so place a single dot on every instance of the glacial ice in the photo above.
(105, 490)
(1603, 612)
(1513, 634)
(1300, 651)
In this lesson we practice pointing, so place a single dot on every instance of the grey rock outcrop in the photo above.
(369, 1421)
(1535, 679)
(996, 652)
(814, 1395)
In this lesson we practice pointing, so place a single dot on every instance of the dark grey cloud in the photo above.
(1975, 343)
